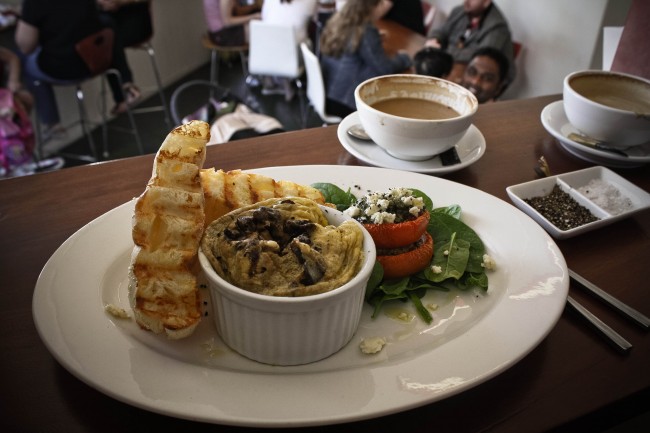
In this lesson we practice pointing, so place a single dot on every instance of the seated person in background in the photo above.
(130, 19)
(18, 159)
(352, 52)
(298, 14)
(225, 28)
(408, 13)
(10, 78)
(486, 74)
(46, 34)
(433, 62)
(475, 24)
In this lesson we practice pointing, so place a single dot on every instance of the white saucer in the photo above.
(556, 123)
(470, 149)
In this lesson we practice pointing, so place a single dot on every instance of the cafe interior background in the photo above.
(557, 37)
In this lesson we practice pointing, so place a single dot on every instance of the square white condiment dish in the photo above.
(570, 183)
(287, 331)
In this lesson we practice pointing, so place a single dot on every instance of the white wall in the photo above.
(558, 37)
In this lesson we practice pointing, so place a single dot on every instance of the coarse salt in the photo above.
(606, 196)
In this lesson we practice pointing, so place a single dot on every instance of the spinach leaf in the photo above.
(442, 226)
(389, 290)
(471, 279)
(374, 281)
(451, 257)
(453, 210)
(394, 287)
(335, 195)
(421, 309)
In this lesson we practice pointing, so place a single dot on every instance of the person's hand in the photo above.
(381, 9)
(435, 43)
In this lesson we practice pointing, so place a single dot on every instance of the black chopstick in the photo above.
(612, 337)
(620, 306)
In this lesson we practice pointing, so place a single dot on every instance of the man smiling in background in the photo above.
(485, 75)
(470, 26)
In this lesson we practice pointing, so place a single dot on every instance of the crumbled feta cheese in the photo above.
(436, 269)
(403, 316)
(116, 311)
(372, 209)
(383, 204)
(352, 211)
(373, 197)
(416, 202)
(382, 217)
(400, 192)
(372, 345)
(445, 252)
(488, 263)
(399, 202)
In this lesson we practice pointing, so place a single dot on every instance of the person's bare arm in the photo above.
(232, 20)
(9, 58)
(26, 37)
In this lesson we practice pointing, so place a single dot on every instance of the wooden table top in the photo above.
(571, 380)
(396, 38)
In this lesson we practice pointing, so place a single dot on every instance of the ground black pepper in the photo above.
(561, 209)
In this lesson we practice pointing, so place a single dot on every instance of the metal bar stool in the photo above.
(164, 107)
(129, 112)
(220, 49)
(193, 94)
(96, 51)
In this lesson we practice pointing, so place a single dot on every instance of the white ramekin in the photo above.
(290, 330)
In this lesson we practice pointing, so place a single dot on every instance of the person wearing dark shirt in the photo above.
(408, 13)
(46, 34)
(130, 19)
(472, 25)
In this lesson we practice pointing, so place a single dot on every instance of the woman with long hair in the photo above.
(352, 51)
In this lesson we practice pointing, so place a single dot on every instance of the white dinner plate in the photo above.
(474, 335)
(556, 123)
(470, 149)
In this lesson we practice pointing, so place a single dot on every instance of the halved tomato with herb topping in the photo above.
(395, 235)
(402, 264)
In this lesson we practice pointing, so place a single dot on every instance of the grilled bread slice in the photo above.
(167, 227)
(225, 191)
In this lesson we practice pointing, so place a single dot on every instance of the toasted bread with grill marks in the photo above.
(225, 191)
(168, 223)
